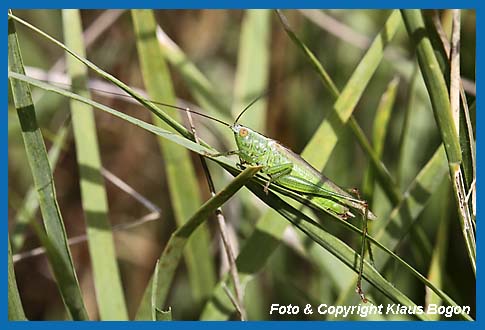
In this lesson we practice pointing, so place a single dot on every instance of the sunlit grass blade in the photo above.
(183, 186)
(44, 183)
(333, 125)
(435, 83)
(174, 248)
(438, 93)
(252, 73)
(107, 281)
(15, 308)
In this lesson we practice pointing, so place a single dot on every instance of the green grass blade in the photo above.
(405, 135)
(437, 269)
(182, 181)
(438, 93)
(451, 73)
(157, 313)
(44, 183)
(332, 127)
(467, 143)
(322, 73)
(154, 290)
(15, 308)
(172, 252)
(106, 275)
(253, 68)
(435, 83)
(137, 96)
(174, 137)
(49, 106)
(163, 315)
(380, 126)
(418, 192)
(30, 203)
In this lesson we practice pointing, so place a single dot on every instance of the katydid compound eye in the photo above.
(243, 132)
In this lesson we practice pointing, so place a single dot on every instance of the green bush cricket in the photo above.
(289, 170)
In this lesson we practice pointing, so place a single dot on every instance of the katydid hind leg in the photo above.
(358, 287)
(356, 192)
(365, 215)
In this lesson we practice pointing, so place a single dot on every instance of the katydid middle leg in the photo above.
(277, 172)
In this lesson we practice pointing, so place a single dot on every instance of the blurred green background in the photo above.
(295, 106)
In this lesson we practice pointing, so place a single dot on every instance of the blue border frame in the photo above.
(4, 323)
(219, 4)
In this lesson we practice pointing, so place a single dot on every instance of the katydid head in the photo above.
(242, 134)
(246, 137)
